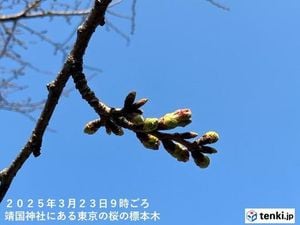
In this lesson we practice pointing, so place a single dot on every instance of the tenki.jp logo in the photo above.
(251, 215)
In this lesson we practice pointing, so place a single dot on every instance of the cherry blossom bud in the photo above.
(140, 103)
(116, 129)
(208, 138)
(188, 135)
(208, 149)
(181, 153)
(177, 150)
(149, 141)
(150, 124)
(201, 160)
(107, 129)
(180, 117)
(89, 129)
(169, 145)
(92, 126)
(129, 99)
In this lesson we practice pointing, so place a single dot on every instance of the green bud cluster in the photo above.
(148, 130)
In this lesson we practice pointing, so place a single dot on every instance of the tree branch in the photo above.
(55, 88)
(50, 13)
(26, 14)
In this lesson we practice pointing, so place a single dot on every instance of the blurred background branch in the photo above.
(18, 34)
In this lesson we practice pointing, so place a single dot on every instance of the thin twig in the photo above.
(9, 38)
(219, 5)
(18, 16)
(118, 31)
(56, 45)
(133, 10)
(119, 15)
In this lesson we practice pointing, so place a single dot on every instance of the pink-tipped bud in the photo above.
(180, 117)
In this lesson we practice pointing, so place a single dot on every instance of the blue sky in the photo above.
(238, 72)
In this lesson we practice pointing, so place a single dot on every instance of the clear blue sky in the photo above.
(237, 71)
